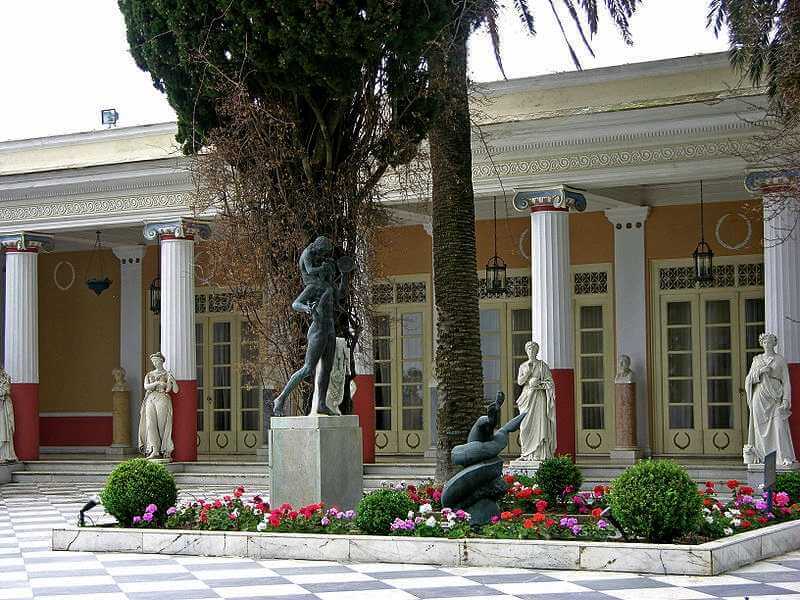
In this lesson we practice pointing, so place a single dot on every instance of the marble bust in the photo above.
(769, 400)
(624, 372)
(7, 453)
(120, 384)
(155, 416)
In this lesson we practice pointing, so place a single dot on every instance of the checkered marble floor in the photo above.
(28, 569)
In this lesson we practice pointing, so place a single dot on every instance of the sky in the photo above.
(62, 61)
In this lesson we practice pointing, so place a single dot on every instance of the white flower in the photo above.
(709, 519)
(736, 522)
(728, 514)
(410, 514)
(716, 507)
(706, 510)
(727, 531)
(424, 509)
(431, 522)
(736, 511)
(261, 526)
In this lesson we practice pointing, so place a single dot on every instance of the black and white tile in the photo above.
(28, 569)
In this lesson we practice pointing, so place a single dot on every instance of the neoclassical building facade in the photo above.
(595, 179)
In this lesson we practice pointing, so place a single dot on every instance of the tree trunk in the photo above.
(458, 357)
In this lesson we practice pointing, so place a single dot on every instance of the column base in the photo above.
(625, 456)
(364, 407)
(25, 398)
(316, 459)
(564, 380)
(184, 422)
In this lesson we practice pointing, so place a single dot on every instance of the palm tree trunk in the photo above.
(458, 357)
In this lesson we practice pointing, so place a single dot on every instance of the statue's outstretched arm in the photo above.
(514, 423)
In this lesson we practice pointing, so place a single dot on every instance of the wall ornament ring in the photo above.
(67, 264)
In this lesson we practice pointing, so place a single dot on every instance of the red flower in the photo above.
(597, 512)
(549, 522)
(538, 517)
(293, 515)
(746, 524)
(710, 484)
(537, 492)
(746, 490)
(274, 520)
(732, 484)
(599, 490)
(528, 524)
(509, 478)
(516, 512)
(524, 493)
(707, 502)
(217, 504)
(506, 515)
(762, 520)
(541, 505)
(239, 491)
(749, 512)
(226, 498)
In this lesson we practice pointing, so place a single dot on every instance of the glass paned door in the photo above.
(521, 331)
(593, 376)
(680, 369)
(221, 434)
(251, 392)
(401, 371)
(200, 361)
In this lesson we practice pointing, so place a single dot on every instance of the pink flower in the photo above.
(495, 519)
(147, 517)
(171, 511)
(136, 520)
(781, 499)
(151, 508)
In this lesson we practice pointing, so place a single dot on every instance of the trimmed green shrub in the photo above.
(789, 482)
(656, 500)
(135, 484)
(378, 509)
(555, 475)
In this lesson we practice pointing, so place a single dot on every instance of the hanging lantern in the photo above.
(100, 283)
(496, 267)
(702, 255)
(155, 295)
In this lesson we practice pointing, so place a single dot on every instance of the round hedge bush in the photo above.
(135, 484)
(554, 475)
(789, 482)
(377, 510)
(656, 500)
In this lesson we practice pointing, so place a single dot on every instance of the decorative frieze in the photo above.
(404, 292)
(591, 282)
(725, 276)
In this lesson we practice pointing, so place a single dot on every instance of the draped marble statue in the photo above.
(338, 377)
(537, 433)
(155, 416)
(7, 453)
(769, 399)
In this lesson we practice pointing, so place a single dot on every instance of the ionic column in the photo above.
(630, 306)
(782, 275)
(177, 325)
(21, 341)
(130, 326)
(551, 296)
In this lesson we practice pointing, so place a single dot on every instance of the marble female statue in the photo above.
(7, 453)
(624, 372)
(155, 416)
(769, 398)
(537, 433)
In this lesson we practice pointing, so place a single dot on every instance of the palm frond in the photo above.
(572, 53)
(573, 12)
(525, 15)
(491, 18)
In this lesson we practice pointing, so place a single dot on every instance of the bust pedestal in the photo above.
(626, 450)
(121, 424)
(316, 459)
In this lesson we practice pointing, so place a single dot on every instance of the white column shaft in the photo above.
(21, 344)
(177, 307)
(631, 304)
(551, 288)
(782, 279)
(130, 326)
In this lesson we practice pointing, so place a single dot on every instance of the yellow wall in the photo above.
(78, 335)
(407, 250)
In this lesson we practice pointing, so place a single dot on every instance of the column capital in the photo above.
(132, 254)
(26, 242)
(553, 198)
(771, 180)
(628, 217)
(181, 228)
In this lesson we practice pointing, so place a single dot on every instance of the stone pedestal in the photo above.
(121, 424)
(626, 449)
(755, 473)
(524, 467)
(316, 459)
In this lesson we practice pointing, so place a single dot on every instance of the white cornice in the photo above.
(88, 137)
